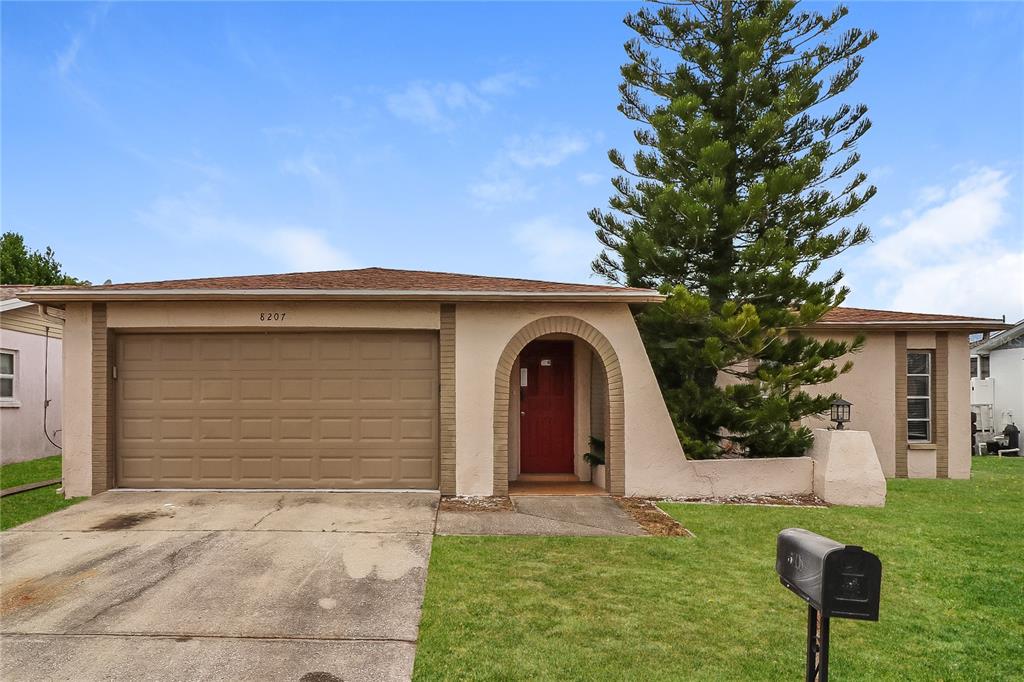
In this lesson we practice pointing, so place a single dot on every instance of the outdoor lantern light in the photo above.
(840, 413)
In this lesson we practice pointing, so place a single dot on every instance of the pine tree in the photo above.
(740, 189)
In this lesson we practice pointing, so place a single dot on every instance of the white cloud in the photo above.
(67, 58)
(304, 166)
(503, 83)
(972, 210)
(952, 255)
(931, 194)
(535, 150)
(557, 250)
(590, 178)
(302, 248)
(435, 104)
(194, 217)
(986, 283)
(312, 168)
(501, 191)
(503, 182)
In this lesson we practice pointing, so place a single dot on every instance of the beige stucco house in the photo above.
(30, 373)
(909, 387)
(385, 379)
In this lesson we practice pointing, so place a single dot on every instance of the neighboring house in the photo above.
(30, 378)
(997, 379)
(394, 379)
(909, 387)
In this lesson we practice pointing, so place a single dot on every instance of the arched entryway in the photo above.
(602, 349)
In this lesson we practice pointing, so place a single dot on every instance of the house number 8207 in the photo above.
(272, 317)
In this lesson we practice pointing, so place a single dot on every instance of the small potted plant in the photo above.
(595, 458)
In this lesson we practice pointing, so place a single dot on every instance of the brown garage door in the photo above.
(279, 410)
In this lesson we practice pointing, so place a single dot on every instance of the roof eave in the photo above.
(13, 304)
(979, 325)
(94, 295)
(998, 341)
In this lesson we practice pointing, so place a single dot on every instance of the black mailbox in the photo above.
(835, 580)
(838, 580)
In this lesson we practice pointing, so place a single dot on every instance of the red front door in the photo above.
(546, 408)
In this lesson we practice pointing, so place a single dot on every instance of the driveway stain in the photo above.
(46, 589)
(319, 676)
(40, 591)
(124, 521)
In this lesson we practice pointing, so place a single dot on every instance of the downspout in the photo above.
(46, 376)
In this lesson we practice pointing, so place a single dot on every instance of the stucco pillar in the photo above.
(846, 469)
(77, 412)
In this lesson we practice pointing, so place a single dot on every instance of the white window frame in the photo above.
(11, 400)
(927, 420)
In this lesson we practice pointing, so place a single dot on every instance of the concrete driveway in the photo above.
(228, 586)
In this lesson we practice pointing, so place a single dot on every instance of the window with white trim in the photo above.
(7, 375)
(919, 396)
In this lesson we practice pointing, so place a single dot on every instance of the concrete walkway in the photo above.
(197, 586)
(543, 515)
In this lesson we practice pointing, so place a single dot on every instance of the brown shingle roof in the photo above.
(366, 280)
(9, 291)
(412, 282)
(855, 315)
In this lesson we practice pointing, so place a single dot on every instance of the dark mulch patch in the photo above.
(652, 519)
(777, 500)
(476, 504)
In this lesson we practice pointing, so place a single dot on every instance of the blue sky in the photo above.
(167, 140)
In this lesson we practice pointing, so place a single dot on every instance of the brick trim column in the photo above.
(447, 388)
(940, 416)
(103, 469)
(901, 405)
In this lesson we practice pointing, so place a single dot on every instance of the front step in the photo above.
(548, 478)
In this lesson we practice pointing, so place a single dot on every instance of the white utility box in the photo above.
(982, 391)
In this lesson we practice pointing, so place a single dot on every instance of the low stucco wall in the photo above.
(846, 468)
(730, 477)
(21, 421)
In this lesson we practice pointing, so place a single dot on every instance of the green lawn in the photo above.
(22, 507)
(711, 607)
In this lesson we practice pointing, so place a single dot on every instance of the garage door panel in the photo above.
(174, 468)
(176, 429)
(337, 430)
(364, 467)
(355, 409)
(410, 389)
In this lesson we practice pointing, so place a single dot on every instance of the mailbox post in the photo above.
(834, 579)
